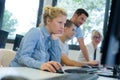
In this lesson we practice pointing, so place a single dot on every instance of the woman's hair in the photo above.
(52, 12)
(68, 23)
(96, 32)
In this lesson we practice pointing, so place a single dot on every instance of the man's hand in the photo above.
(93, 63)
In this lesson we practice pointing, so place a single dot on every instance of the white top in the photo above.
(64, 47)
(90, 49)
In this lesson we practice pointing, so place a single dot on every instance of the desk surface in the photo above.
(28, 73)
(35, 74)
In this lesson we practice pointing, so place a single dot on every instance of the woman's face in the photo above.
(96, 39)
(56, 26)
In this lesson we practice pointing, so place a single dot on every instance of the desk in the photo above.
(99, 78)
(35, 74)
(32, 74)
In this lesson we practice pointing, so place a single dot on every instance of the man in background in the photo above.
(78, 18)
(67, 35)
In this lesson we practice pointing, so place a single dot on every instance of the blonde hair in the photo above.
(96, 32)
(52, 12)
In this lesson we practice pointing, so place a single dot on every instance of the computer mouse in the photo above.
(11, 77)
(46, 70)
(86, 66)
(57, 70)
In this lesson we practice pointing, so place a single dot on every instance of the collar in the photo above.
(45, 31)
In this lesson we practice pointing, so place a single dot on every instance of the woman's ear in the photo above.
(48, 20)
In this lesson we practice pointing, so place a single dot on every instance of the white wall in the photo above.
(9, 46)
(74, 54)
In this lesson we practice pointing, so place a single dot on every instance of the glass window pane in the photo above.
(96, 10)
(20, 16)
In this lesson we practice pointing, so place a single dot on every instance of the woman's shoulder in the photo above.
(34, 30)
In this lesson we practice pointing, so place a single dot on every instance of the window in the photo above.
(96, 10)
(19, 16)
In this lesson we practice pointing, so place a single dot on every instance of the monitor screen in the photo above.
(111, 42)
(17, 41)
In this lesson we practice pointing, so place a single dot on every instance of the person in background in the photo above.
(40, 46)
(68, 33)
(78, 18)
(92, 47)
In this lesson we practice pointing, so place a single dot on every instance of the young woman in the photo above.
(92, 47)
(40, 46)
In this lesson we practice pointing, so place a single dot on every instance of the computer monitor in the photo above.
(3, 38)
(111, 42)
(17, 41)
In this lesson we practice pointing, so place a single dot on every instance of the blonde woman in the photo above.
(40, 46)
(92, 47)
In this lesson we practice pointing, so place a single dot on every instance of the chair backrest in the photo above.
(3, 38)
(74, 47)
(17, 41)
(6, 56)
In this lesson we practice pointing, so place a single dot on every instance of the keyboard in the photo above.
(81, 70)
(78, 76)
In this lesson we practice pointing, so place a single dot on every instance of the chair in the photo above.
(17, 41)
(74, 47)
(3, 38)
(6, 55)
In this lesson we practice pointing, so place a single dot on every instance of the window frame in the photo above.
(40, 10)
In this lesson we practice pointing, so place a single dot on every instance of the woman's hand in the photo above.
(55, 36)
(50, 66)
